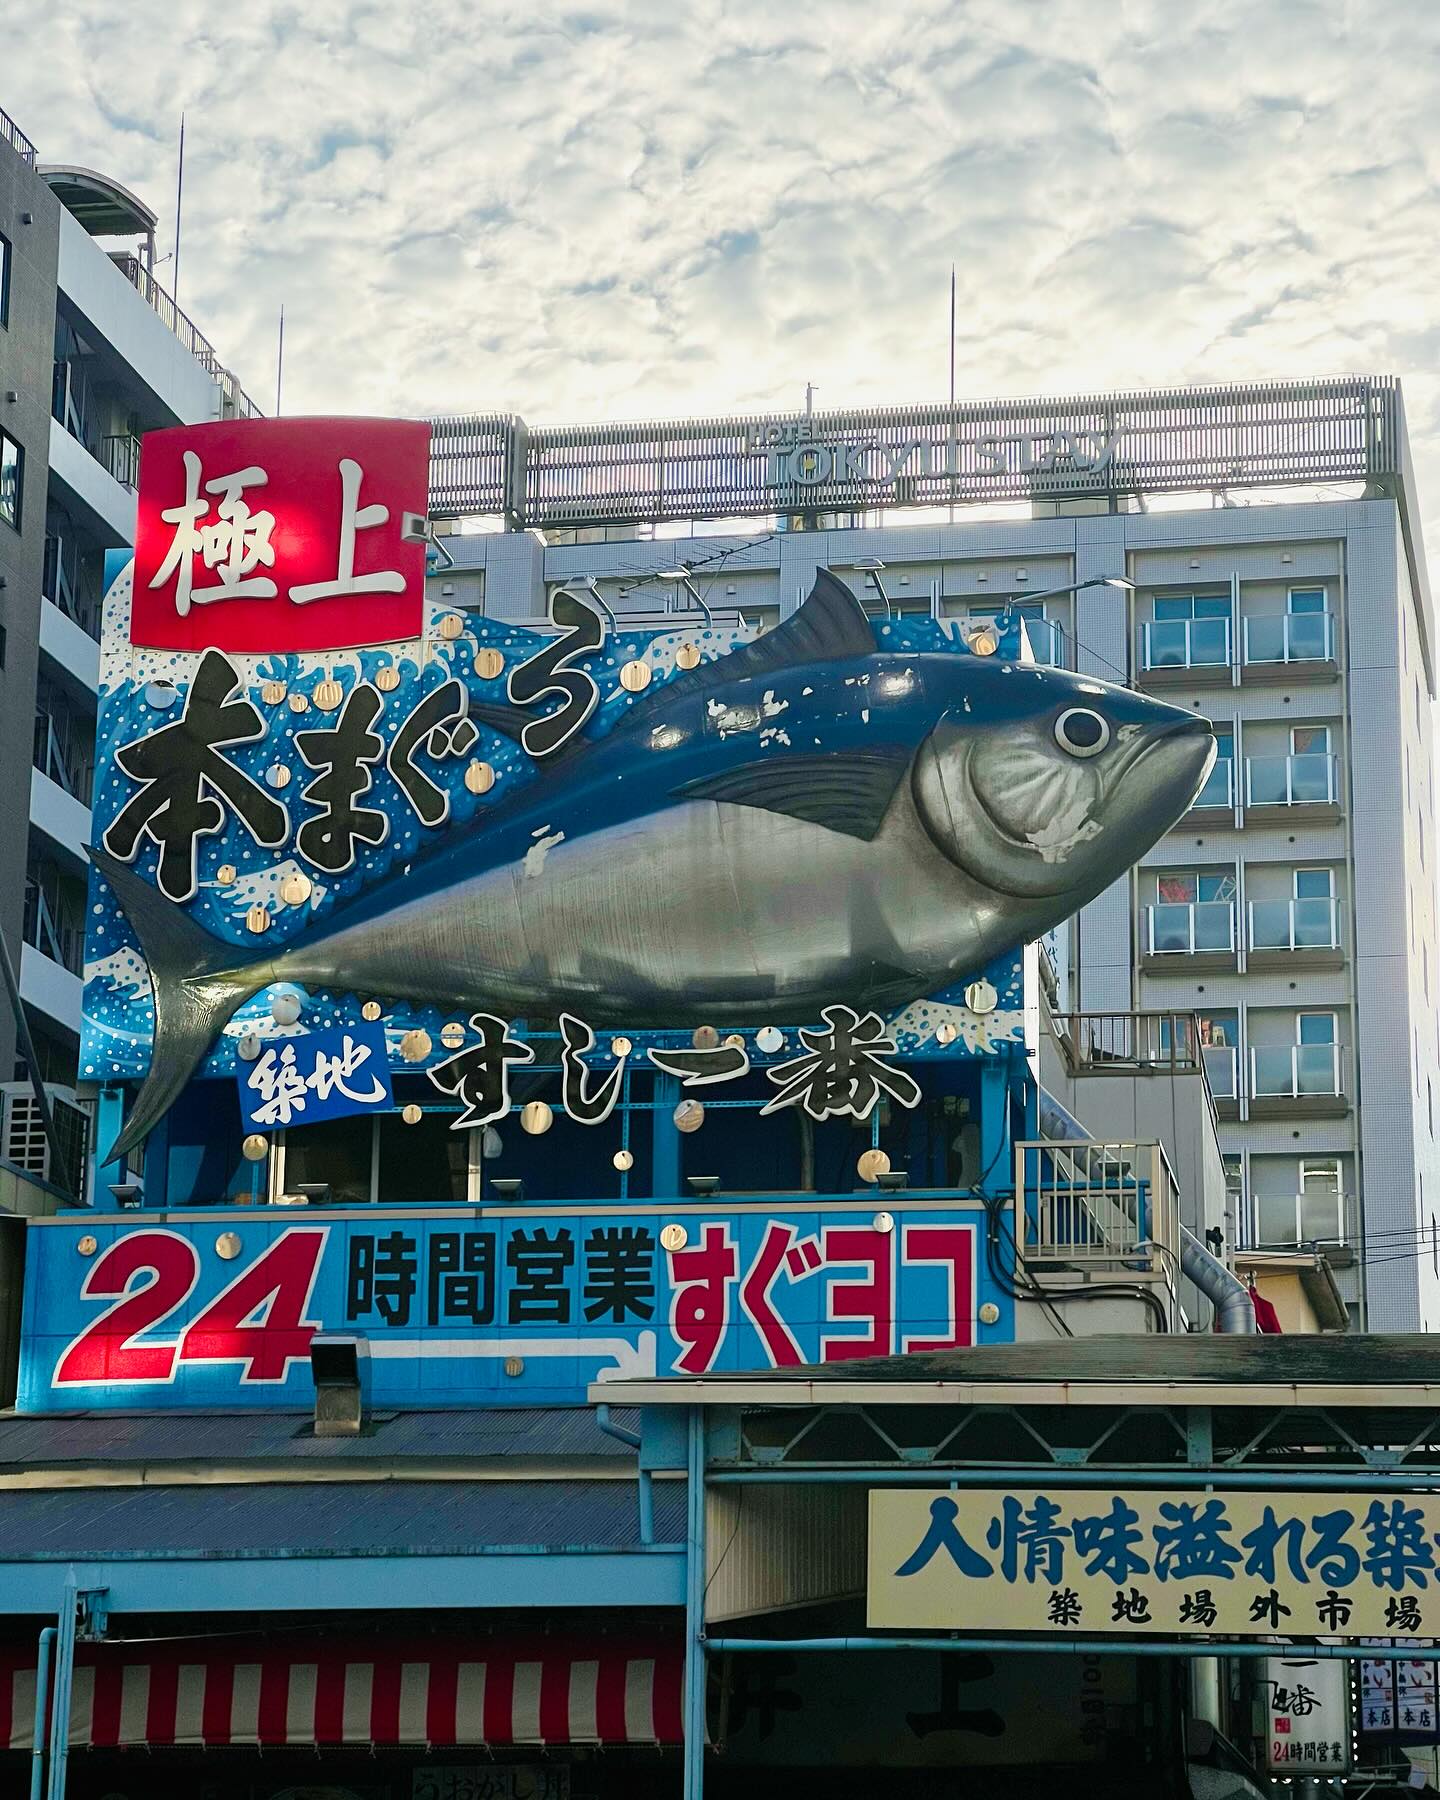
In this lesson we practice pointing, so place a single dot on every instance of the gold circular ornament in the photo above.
(536, 1118)
(689, 1116)
(388, 680)
(673, 1237)
(688, 656)
(635, 677)
(285, 1008)
(452, 1034)
(981, 997)
(734, 1041)
(249, 1047)
(451, 626)
(329, 694)
(370, 1010)
(623, 1160)
(412, 1114)
(415, 1046)
(87, 1245)
(227, 1246)
(255, 1148)
(277, 775)
(514, 1366)
(946, 1032)
(298, 703)
(620, 1047)
(769, 1038)
(489, 664)
(225, 874)
(273, 692)
(872, 1164)
(704, 1037)
(989, 1313)
(257, 920)
(884, 1223)
(984, 642)
(296, 888)
(480, 778)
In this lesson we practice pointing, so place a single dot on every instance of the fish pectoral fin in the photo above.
(849, 791)
(510, 721)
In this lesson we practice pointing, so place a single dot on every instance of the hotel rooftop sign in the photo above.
(1108, 446)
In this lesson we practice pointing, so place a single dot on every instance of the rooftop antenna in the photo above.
(280, 360)
(809, 399)
(179, 190)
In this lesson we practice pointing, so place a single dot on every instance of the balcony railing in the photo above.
(1096, 1205)
(1312, 924)
(1306, 780)
(45, 930)
(1221, 1071)
(58, 754)
(11, 134)
(61, 582)
(1219, 788)
(1315, 1217)
(1127, 1043)
(1295, 1071)
(1181, 928)
(1185, 643)
(1290, 637)
(120, 456)
(199, 346)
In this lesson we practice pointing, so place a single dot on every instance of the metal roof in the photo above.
(500, 1434)
(99, 202)
(1340, 1370)
(414, 1518)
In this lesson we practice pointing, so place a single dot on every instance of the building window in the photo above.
(4, 281)
(12, 479)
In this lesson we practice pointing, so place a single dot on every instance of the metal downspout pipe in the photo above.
(60, 1699)
(1234, 1309)
(42, 1696)
(645, 1491)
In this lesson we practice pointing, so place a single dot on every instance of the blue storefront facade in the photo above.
(530, 1064)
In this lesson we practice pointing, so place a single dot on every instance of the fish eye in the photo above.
(1081, 732)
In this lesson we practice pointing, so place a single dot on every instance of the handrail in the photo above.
(1096, 1204)
(17, 140)
(1290, 942)
(1120, 1042)
(1192, 908)
(1301, 1086)
(1289, 760)
(183, 327)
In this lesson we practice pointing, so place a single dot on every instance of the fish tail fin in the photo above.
(198, 982)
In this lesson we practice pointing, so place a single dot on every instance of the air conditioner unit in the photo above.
(22, 1133)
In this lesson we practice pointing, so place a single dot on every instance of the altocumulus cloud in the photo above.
(640, 207)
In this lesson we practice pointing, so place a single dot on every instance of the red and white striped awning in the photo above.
(211, 1692)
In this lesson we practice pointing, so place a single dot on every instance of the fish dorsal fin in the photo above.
(831, 626)
(845, 790)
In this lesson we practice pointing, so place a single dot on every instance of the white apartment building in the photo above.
(1293, 911)
(93, 353)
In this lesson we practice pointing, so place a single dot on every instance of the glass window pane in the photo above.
(1224, 740)
(1167, 644)
(1210, 641)
(1310, 739)
(1214, 926)
(427, 1162)
(1169, 928)
(1314, 924)
(1181, 608)
(1220, 1068)
(1307, 600)
(1306, 638)
(1309, 779)
(1176, 888)
(1212, 606)
(337, 1152)
(1217, 887)
(1276, 1218)
(1218, 789)
(1316, 1028)
(1312, 884)
(1270, 924)
(1320, 1214)
(1315, 1071)
(1273, 1070)
(1266, 778)
(1265, 639)
(12, 463)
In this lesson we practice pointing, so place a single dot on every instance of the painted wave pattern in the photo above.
(118, 1016)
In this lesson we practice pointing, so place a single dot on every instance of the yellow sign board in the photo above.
(1185, 1564)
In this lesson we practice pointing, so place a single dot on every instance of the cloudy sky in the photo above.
(632, 208)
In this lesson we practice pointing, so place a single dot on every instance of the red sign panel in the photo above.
(263, 535)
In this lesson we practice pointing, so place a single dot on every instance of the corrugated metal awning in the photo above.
(213, 1692)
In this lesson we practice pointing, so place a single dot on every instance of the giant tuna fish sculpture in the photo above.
(807, 819)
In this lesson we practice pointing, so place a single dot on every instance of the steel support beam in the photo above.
(1279, 1478)
(1053, 1645)
(60, 1695)
(695, 1671)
